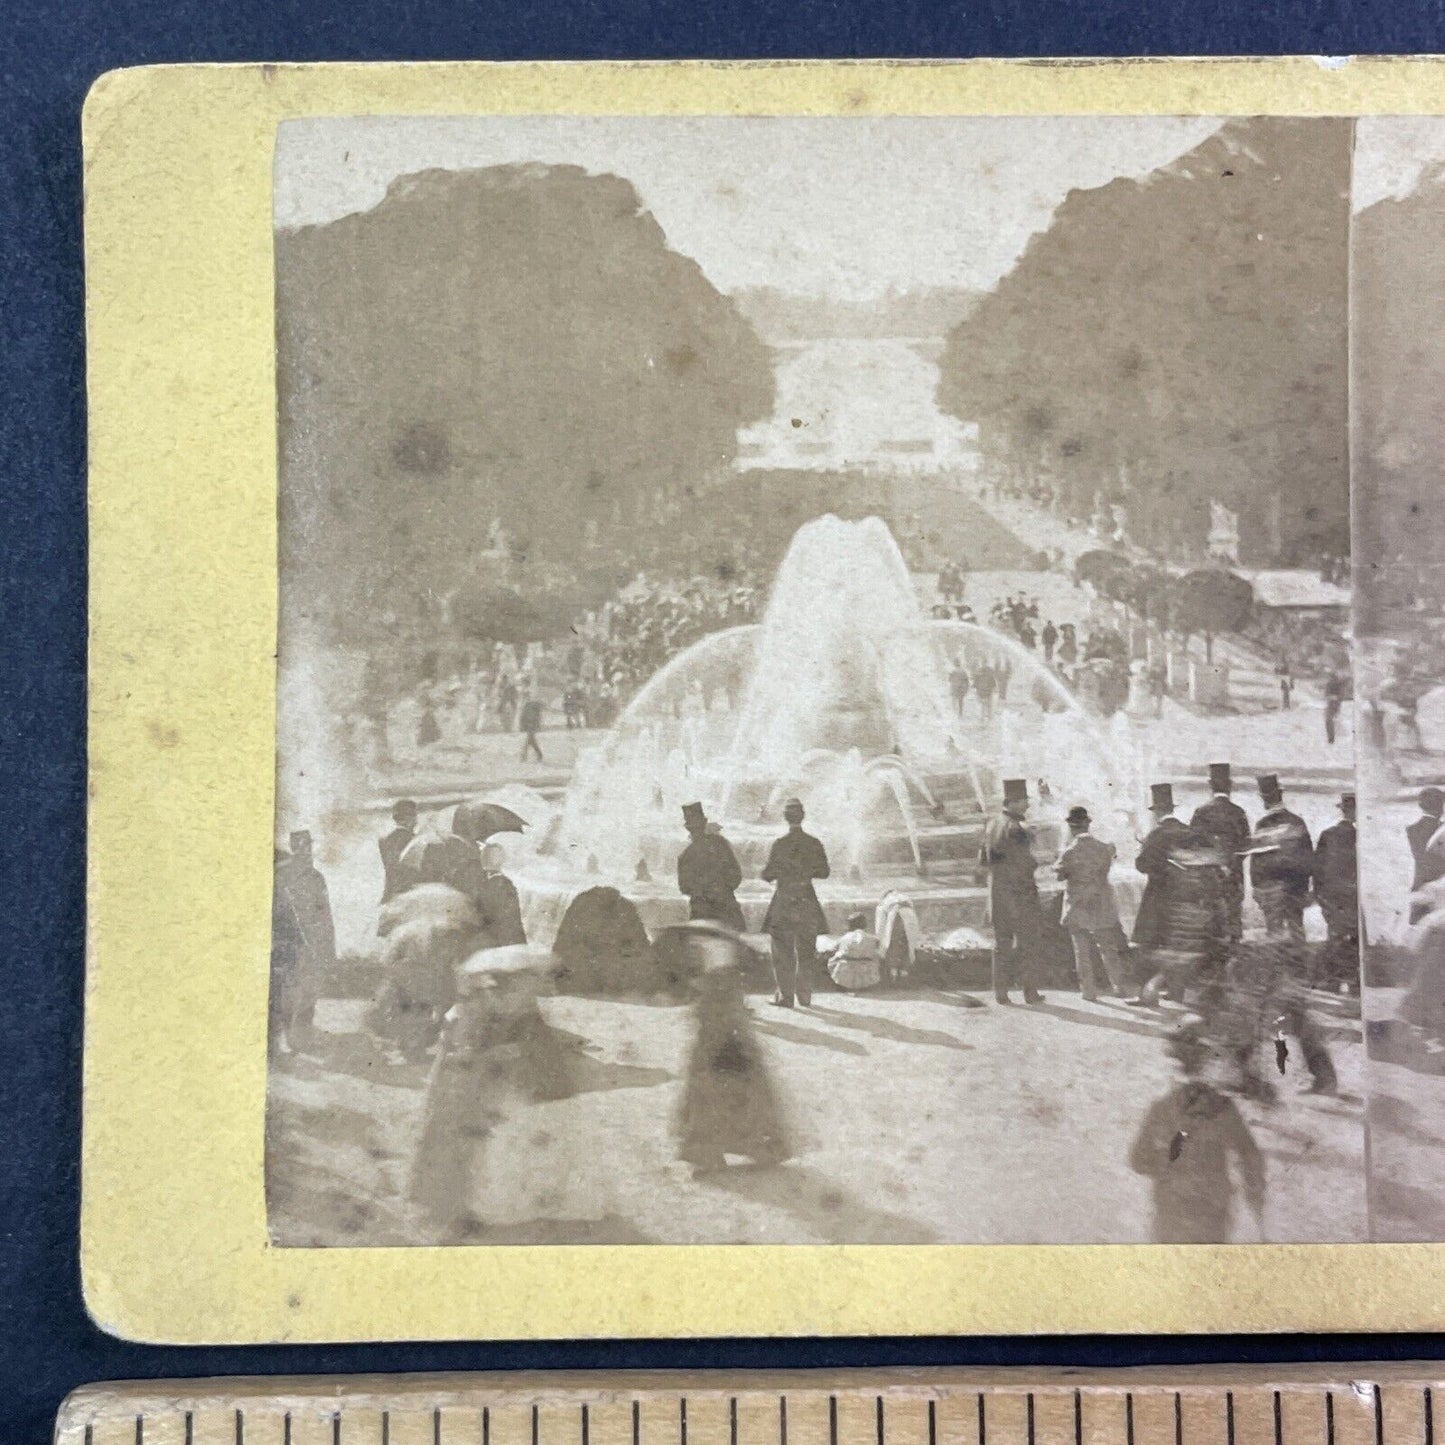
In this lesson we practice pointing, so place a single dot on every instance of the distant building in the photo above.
(1298, 592)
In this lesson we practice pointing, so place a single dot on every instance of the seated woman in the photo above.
(857, 962)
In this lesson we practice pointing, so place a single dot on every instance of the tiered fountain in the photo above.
(840, 696)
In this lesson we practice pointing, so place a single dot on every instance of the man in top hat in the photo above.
(1007, 853)
(1428, 866)
(1091, 916)
(395, 878)
(1282, 863)
(1337, 889)
(1156, 923)
(795, 917)
(707, 871)
(1226, 824)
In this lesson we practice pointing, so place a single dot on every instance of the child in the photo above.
(857, 962)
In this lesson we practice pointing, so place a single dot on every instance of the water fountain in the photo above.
(841, 697)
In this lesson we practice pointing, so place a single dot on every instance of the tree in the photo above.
(1211, 601)
(492, 613)
(1180, 339)
(1107, 572)
(515, 346)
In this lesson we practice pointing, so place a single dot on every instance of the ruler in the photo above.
(1215, 1405)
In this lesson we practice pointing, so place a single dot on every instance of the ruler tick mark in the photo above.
(1379, 1417)
(1128, 1418)
(586, 1426)
(637, 1422)
(190, 1429)
(733, 1421)
(1429, 1417)
(1178, 1418)
(241, 1428)
(140, 1430)
(486, 1425)
(385, 1429)
(1329, 1417)
(782, 1420)
(933, 1422)
(832, 1420)
(285, 1429)
(1229, 1416)
(681, 1420)
(1030, 1420)
(1078, 1417)
(982, 1420)
(336, 1427)
(534, 1425)
(436, 1426)
(1278, 1420)
(880, 1420)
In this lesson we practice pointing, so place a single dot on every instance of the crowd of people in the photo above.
(459, 980)
(582, 681)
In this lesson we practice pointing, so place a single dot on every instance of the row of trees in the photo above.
(514, 348)
(1179, 339)
(1202, 603)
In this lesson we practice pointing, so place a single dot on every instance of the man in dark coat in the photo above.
(1013, 892)
(1282, 862)
(303, 942)
(708, 872)
(795, 917)
(1223, 821)
(1151, 923)
(529, 721)
(1337, 889)
(1181, 917)
(393, 845)
(1428, 866)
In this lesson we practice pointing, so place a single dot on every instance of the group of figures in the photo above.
(460, 985)
(1236, 994)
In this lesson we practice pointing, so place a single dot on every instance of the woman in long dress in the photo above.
(729, 1105)
(498, 1058)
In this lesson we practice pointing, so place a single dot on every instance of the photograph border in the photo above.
(182, 734)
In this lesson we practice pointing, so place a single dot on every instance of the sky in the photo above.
(843, 207)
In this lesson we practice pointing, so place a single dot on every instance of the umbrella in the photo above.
(508, 958)
(478, 820)
(436, 905)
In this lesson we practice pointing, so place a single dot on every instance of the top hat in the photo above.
(793, 805)
(1347, 801)
(1219, 779)
(1015, 790)
(1269, 785)
(1078, 815)
(693, 815)
(1161, 797)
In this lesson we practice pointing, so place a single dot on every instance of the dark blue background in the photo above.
(50, 55)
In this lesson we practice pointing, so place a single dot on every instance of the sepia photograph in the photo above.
(816, 681)
(1397, 372)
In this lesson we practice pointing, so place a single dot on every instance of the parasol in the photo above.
(479, 820)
